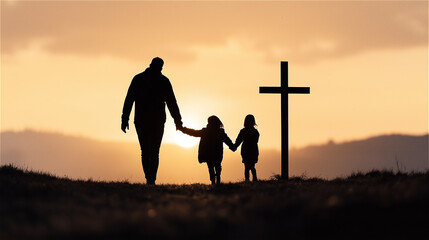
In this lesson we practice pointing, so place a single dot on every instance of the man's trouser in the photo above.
(150, 137)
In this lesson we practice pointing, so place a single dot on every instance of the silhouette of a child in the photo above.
(210, 149)
(249, 136)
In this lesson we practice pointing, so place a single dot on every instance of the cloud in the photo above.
(300, 31)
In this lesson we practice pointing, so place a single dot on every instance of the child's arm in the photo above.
(192, 132)
(239, 139)
(228, 142)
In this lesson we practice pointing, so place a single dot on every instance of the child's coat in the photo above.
(249, 136)
(210, 149)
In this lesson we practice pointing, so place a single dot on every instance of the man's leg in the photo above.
(158, 132)
(143, 141)
(150, 137)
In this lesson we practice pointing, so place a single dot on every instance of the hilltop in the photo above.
(373, 205)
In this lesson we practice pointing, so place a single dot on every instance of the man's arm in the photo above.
(128, 105)
(172, 106)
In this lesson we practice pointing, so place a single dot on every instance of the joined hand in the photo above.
(179, 126)
(233, 148)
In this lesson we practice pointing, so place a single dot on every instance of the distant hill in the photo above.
(75, 157)
(83, 158)
(80, 157)
(391, 152)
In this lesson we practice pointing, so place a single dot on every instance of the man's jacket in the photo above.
(150, 91)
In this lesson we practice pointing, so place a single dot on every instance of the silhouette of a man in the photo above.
(150, 91)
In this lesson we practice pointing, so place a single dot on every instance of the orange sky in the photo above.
(66, 66)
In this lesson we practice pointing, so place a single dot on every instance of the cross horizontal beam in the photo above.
(297, 90)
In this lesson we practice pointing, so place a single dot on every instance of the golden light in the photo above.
(184, 140)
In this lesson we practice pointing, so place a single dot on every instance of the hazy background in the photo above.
(83, 158)
(66, 67)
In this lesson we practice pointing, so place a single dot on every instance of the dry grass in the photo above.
(374, 205)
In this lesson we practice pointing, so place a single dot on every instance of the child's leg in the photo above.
(253, 169)
(246, 172)
(211, 172)
(218, 169)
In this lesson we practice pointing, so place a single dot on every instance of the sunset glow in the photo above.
(185, 140)
(66, 66)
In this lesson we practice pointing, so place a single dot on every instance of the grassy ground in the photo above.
(375, 205)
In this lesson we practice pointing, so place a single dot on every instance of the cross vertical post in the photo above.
(284, 90)
(284, 115)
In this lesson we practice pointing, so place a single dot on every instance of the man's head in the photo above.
(157, 64)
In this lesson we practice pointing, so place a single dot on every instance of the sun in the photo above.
(184, 140)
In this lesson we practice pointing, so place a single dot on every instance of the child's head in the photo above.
(249, 121)
(214, 122)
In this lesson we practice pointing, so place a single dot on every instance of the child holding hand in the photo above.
(210, 149)
(249, 136)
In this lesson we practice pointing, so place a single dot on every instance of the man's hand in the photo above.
(179, 125)
(180, 128)
(125, 126)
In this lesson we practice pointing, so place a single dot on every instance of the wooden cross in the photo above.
(284, 90)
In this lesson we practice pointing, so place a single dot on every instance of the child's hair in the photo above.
(249, 121)
(214, 121)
